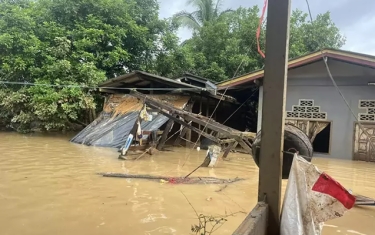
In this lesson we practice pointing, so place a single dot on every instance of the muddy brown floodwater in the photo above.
(49, 186)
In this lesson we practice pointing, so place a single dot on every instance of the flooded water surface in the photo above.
(50, 186)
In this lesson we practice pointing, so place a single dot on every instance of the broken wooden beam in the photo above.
(165, 134)
(227, 141)
(221, 130)
(244, 146)
(227, 151)
(181, 135)
(190, 126)
(211, 124)
(189, 108)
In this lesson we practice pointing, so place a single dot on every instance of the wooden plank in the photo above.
(179, 138)
(211, 124)
(200, 110)
(273, 113)
(149, 132)
(189, 108)
(165, 113)
(227, 151)
(190, 126)
(226, 141)
(256, 222)
(165, 134)
(244, 134)
(247, 142)
(244, 146)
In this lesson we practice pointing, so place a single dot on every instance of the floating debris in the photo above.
(174, 180)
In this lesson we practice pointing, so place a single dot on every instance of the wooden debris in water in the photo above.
(174, 180)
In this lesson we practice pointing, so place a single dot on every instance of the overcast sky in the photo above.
(355, 19)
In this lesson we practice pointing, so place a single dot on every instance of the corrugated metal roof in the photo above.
(120, 112)
(140, 75)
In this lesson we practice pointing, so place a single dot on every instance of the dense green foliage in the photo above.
(84, 42)
(65, 42)
(219, 47)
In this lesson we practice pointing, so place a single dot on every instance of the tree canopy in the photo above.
(74, 43)
(218, 48)
(69, 47)
(206, 11)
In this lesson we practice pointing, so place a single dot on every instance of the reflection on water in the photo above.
(50, 186)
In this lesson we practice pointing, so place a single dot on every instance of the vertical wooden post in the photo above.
(274, 93)
(230, 147)
(189, 108)
(200, 108)
(165, 134)
(179, 138)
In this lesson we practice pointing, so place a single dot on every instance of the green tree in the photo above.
(66, 45)
(206, 11)
(306, 37)
(218, 48)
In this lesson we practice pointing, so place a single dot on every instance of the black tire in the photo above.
(294, 140)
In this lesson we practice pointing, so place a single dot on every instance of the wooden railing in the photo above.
(256, 222)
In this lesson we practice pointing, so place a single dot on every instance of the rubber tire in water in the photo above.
(294, 140)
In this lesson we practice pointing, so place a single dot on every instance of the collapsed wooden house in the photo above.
(176, 108)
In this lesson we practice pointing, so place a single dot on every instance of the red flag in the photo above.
(311, 198)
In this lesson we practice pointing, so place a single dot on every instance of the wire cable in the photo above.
(96, 87)
(335, 84)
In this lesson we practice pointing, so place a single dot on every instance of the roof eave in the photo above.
(357, 58)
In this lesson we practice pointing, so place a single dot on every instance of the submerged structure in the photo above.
(120, 114)
(163, 108)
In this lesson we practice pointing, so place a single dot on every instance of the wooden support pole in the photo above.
(179, 138)
(200, 108)
(231, 146)
(274, 92)
(165, 134)
(189, 109)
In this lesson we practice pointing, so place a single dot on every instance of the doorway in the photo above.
(322, 141)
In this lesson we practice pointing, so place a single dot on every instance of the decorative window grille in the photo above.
(305, 102)
(299, 108)
(319, 116)
(369, 110)
(292, 114)
(313, 109)
(305, 115)
(366, 103)
(307, 110)
(366, 117)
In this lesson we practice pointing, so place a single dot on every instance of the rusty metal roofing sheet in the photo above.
(120, 112)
